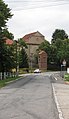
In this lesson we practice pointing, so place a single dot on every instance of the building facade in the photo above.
(33, 41)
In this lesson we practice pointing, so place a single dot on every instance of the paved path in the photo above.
(61, 95)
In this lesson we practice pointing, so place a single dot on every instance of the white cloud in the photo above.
(44, 19)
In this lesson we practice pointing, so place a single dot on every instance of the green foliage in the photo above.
(52, 54)
(66, 76)
(45, 46)
(59, 34)
(49, 49)
(5, 14)
(20, 55)
(61, 42)
(6, 56)
(63, 52)
(22, 43)
(23, 59)
(58, 50)
(5, 82)
(7, 34)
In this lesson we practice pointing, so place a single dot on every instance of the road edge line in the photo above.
(14, 80)
(57, 104)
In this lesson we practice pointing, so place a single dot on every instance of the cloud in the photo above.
(44, 19)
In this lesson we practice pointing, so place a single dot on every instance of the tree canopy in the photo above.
(59, 34)
(6, 60)
(5, 14)
(58, 50)
(23, 59)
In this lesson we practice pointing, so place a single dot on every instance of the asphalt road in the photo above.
(28, 98)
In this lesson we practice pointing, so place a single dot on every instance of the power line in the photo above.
(41, 1)
(33, 1)
(39, 7)
(42, 4)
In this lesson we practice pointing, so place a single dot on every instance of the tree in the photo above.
(9, 58)
(59, 34)
(20, 54)
(63, 51)
(46, 47)
(7, 34)
(5, 14)
(23, 59)
(22, 43)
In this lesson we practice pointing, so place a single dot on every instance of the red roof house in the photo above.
(9, 42)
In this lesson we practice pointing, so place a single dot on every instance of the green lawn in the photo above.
(4, 82)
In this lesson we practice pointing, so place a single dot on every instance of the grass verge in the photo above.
(4, 82)
(66, 77)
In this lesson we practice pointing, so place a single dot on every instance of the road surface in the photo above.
(28, 98)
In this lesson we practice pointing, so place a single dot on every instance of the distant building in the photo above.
(9, 42)
(33, 41)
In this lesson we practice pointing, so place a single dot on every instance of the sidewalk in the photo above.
(61, 96)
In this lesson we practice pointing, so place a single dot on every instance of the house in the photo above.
(33, 41)
(9, 42)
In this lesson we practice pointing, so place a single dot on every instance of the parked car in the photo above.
(37, 71)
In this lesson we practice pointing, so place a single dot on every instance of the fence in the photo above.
(5, 75)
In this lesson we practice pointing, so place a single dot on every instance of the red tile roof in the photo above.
(9, 42)
(27, 36)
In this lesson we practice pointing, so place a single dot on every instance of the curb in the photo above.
(14, 80)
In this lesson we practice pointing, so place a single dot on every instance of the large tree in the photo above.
(47, 48)
(63, 51)
(5, 14)
(23, 59)
(7, 34)
(57, 51)
(59, 34)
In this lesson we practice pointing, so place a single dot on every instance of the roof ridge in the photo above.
(30, 34)
(26, 37)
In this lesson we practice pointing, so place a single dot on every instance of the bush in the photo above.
(66, 77)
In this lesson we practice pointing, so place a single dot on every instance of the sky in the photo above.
(38, 15)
